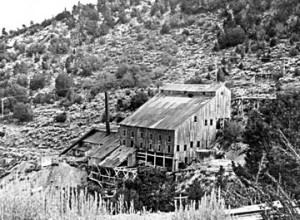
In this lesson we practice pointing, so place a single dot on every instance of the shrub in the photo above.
(22, 112)
(232, 37)
(63, 15)
(165, 28)
(195, 192)
(232, 131)
(19, 93)
(59, 46)
(90, 13)
(137, 100)
(103, 29)
(140, 37)
(194, 80)
(63, 83)
(102, 41)
(121, 71)
(297, 72)
(22, 80)
(37, 82)
(158, 73)
(119, 117)
(39, 98)
(114, 43)
(220, 75)
(89, 64)
(61, 118)
(294, 38)
(168, 60)
(21, 67)
(293, 52)
(190, 7)
(273, 42)
(128, 81)
(35, 48)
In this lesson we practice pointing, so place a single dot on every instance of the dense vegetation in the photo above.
(272, 168)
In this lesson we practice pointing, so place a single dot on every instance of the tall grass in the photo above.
(211, 207)
(19, 201)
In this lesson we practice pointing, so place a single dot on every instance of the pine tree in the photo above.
(257, 135)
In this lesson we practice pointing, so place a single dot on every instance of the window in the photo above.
(132, 134)
(211, 121)
(218, 125)
(141, 145)
(198, 144)
(124, 142)
(169, 148)
(192, 144)
(195, 118)
(205, 122)
(150, 146)
(169, 139)
(204, 93)
(222, 93)
(185, 160)
(131, 143)
(178, 147)
(159, 147)
(185, 147)
(142, 135)
(159, 138)
(124, 132)
(150, 136)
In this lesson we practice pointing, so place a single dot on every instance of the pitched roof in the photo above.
(93, 136)
(117, 157)
(192, 87)
(92, 131)
(165, 112)
(106, 145)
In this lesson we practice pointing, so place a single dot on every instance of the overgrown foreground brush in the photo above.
(211, 207)
(20, 201)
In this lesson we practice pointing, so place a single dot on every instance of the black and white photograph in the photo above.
(150, 110)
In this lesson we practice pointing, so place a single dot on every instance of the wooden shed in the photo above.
(168, 128)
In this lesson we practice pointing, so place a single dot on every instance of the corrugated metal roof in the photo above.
(95, 138)
(165, 112)
(106, 145)
(192, 87)
(117, 157)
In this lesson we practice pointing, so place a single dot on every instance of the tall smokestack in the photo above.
(107, 114)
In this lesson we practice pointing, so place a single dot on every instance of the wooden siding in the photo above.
(146, 141)
(191, 131)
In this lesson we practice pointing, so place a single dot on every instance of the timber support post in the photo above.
(107, 114)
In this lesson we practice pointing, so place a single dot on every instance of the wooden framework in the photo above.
(238, 104)
(109, 177)
(157, 159)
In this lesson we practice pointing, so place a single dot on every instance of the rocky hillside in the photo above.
(62, 66)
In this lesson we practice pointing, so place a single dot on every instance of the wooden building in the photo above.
(102, 149)
(171, 127)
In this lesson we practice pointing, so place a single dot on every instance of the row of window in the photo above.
(205, 121)
(150, 136)
(141, 146)
(159, 148)
(191, 146)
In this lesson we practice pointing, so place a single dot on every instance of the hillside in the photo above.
(62, 66)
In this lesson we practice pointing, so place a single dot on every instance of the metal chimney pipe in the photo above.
(107, 114)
